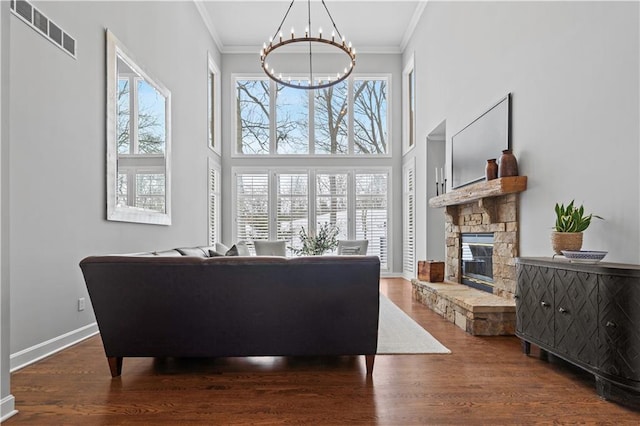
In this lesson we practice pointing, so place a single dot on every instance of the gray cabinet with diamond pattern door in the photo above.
(586, 314)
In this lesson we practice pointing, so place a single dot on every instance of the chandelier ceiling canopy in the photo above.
(275, 61)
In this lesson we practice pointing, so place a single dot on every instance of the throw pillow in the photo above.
(192, 251)
(221, 248)
(348, 251)
(233, 251)
(243, 249)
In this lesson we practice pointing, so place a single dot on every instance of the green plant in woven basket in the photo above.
(571, 218)
(325, 239)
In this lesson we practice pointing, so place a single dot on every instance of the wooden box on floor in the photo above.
(431, 271)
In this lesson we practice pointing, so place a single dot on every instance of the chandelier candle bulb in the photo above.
(320, 32)
(333, 36)
(280, 36)
(306, 32)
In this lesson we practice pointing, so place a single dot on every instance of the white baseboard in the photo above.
(7, 408)
(42, 350)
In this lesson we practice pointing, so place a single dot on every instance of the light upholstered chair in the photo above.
(270, 248)
(353, 247)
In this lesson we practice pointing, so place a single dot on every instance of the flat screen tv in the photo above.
(484, 138)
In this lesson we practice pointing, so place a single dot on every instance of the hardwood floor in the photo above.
(484, 381)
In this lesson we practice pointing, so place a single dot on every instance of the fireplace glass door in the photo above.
(477, 260)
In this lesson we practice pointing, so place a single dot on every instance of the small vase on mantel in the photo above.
(491, 170)
(508, 164)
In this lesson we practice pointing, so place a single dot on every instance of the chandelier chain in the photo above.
(284, 19)
(331, 18)
(310, 43)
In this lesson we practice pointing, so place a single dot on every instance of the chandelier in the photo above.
(311, 45)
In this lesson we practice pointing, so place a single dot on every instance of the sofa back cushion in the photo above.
(270, 248)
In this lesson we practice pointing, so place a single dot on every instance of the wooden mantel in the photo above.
(480, 190)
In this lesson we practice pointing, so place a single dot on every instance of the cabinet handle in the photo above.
(611, 324)
(516, 296)
(545, 304)
(563, 311)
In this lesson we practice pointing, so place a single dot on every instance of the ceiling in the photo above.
(376, 26)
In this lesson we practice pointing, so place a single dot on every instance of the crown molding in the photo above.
(207, 22)
(417, 14)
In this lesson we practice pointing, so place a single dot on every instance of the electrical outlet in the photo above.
(81, 304)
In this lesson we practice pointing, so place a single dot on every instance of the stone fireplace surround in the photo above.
(484, 207)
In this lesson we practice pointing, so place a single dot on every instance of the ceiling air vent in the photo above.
(44, 26)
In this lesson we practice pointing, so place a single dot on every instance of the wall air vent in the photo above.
(44, 26)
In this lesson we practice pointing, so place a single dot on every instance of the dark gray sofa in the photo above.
(167, 304)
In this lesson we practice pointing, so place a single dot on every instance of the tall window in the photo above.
(276, 204)
(332, 201)
(409, 105)
(372, 212)
(213, 106)
(252, 206)
(292, 206)
(349, 118)
(214, 203)
(253, 114)
(408, 213)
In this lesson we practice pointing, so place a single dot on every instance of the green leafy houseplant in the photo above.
(571, 222)
(571, 218)
(326, 239)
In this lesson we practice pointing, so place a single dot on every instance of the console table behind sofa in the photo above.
(187, 306)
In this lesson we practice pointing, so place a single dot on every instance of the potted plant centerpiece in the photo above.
(325, 239)
(571, 222)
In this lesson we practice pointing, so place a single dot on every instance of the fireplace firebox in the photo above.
(477, 260)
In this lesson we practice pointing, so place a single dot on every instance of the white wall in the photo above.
(573, 70)
(366, 64)
(436, 152)
(7, 403)
(57, 156)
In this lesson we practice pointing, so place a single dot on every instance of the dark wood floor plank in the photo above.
(486, 380)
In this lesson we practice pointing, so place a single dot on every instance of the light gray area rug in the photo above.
(399, 334)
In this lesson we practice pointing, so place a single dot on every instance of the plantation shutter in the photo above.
(371, 213)
(332, 201)
(214, 206)
(252, 207)
(408, 246)
(292, 207)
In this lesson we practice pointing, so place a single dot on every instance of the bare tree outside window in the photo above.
(370, 117)
(331, 111)
(331, 115)
(292, 120)
(252, 116)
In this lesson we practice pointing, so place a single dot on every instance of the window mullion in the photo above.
(351, 205)
(350, 112)
(311, 193)
(273, 205)
(131, 187)
(133, 116)
(311, 122)
(273, 120)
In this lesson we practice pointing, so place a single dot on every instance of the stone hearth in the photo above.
(475, 311)
(486, 207)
